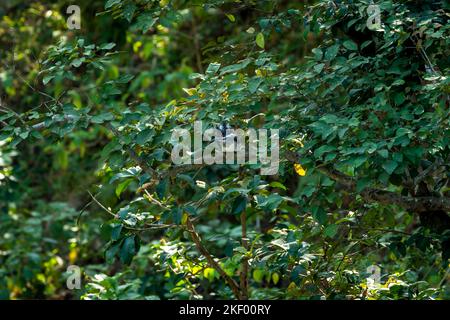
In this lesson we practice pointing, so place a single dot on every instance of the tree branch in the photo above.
(410, 203)
(414, 204)
(201, 248)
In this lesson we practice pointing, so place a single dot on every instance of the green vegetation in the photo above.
(86, 177)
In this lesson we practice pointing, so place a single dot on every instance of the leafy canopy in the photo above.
(364, 124)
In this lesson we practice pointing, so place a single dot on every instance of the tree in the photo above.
(363, 115)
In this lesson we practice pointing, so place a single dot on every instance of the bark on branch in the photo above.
(213, 263)
(410, 203)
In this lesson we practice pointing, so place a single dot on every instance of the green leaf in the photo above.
(318, 54)
(177, 215)
(271, 202)
(128, 173)
(389, 166)
(161, 188)
(399, 98)
(319, 215)
(361, 184)
(116, 231)
(319, 152)
(230, 191)
(145, 22)
(111, 3)
(47, 79)
(254, 83)
(279, 185)
(107, 46)
(144, 136)
(210, 274)
(350, 45)
(331, 52)
(230, 17)
(111, 252)
(331, 230)
(122, 186)
(260, 40)
(128, 249)
(24, 134)
(239, 204)
(98, 65)
(100, 118)
(128, 11)
(258, 275)
(398, 82)
(319, 67)
(235, 67)
(125, 78)
(384, 153)
(275, 278)
(77, 62)
(356, 162)
(213, 68)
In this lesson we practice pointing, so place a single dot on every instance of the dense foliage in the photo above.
(86, 176)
